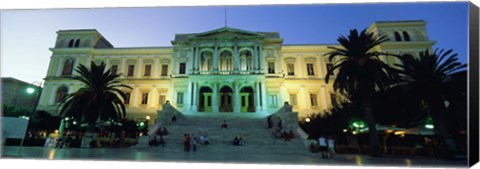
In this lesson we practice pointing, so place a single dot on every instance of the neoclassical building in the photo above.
(224, 70)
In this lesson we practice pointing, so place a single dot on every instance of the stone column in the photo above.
(135, 92)
(195, 97)
(215, 104)
(236, 99)
(261, 60)
(324, 97)
(257, 98)
(139, 68)
(236, 59)
(320, 67)
(189, 100)
(305, 103)
(155, 67)
(197, 60)
(122, 68)
(215, 60)
(60, 67)
(264, 97)
(255, 55)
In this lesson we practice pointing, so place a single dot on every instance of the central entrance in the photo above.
(225, 96)
(246, 100)
(205, 100)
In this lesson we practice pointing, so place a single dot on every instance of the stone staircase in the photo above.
(250, 126)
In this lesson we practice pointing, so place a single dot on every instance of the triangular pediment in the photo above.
(226, 32)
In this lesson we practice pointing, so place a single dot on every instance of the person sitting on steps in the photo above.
(224, 124)
(236, 141)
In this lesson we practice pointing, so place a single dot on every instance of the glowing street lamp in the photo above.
(30, 90)
(429, 126)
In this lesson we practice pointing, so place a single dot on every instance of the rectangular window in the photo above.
(313, 99)
(333, 97)
(180, 98)
(293, 99)
(271, 67)
(144, 98)
(127, 98)
(310, 69)
(130, 70)
(148, 69)
(330, 68)
(182, 68)
(114, 69)
(164, 70)
(161, 99)
(290, 69)
(273, 100)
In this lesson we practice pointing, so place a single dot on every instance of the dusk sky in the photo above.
(26, 35)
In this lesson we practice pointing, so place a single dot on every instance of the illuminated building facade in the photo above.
(225, 70)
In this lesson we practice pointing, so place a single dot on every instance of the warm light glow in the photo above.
(358, 160)
(354, 132)
(345, 130)
(307, 120)
(408, 162)
(56, 131)
(30, 90)
(51, 154)
(147, 117)
(389, 131)
(399, 133)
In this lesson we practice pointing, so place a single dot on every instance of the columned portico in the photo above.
(226, 93)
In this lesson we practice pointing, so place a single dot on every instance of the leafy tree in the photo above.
(42, 120)
(432, 76)
(361, 74)
(100, 98)
(13, 111)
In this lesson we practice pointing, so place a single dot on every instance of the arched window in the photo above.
(398, 37)
(70, 44)
(406, 37)
(77, 42)
(61, 93)
(67, 67)
(206, 61)
(246, 60)
(226, 62)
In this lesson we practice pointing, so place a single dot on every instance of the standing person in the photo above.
(161, 141)
(331, 147)
(194, 144)
(186, 142)
(323, 146)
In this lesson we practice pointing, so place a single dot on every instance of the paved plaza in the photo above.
(159, 154)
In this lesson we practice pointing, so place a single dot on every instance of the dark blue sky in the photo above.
(27, 34)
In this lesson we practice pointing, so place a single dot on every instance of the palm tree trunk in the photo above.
(438, 114)
(88, 137)
(372, 129)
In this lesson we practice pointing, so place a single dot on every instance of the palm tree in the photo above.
(430, 76)
(360, 74)
(99, 99)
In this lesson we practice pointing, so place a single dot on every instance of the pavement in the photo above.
(231, 156)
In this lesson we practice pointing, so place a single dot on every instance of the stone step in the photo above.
(251, 127)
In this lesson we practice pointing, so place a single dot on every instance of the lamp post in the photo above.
(37, 91)
(31, 90)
